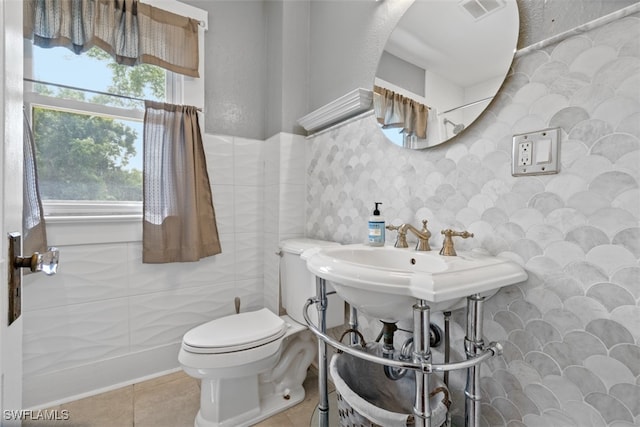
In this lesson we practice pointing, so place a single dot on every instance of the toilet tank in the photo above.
(297, 283)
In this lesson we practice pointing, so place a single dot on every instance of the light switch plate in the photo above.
(536, 153)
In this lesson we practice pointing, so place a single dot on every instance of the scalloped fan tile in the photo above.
(541, 396)
(565, 390)
(583, 414)
(615, 146)
(631, 124)
(576, 233)
(628, 278)
(567, 50)
(629, 201)
(610, 407)
(616, 33)
(507, 409)
(610, 258)
(610, 295)
(630, 240)
(568, 117)
(524, 373)
(610, 332)
(593, 59)
(627, 354)
(615, 110)
(629, 317)
(542, 363)
(629, 395)
(586, 309)
(584, 379)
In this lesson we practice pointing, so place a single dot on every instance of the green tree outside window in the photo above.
(87, 157)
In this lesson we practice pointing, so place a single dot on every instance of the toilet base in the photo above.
(269, 405)
(232, 401)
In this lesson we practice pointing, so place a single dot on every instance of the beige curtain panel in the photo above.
(179, 221)
(33, 226)
(393, 110)
(130, 31)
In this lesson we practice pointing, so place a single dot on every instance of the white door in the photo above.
(10, 201)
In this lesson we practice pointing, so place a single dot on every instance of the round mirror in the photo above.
(441, 67)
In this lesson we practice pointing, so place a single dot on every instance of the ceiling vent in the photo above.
(481, 8)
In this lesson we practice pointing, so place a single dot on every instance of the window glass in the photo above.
(95, 70)
(87, 157)
(88, 139)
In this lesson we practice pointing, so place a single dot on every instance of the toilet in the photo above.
(252, 364)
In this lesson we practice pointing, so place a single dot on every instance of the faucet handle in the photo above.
(401, 239)
(447, 245)
(423, 241)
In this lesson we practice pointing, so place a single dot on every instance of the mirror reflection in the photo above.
(441, 67)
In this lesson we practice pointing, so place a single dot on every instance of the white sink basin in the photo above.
(384, 282)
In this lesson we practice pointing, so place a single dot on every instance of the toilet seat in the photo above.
(235, 333)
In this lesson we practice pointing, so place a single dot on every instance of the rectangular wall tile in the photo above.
(249, 255)
(248, 161)
(249, 204)
(149, 278)
(219, 153)
(292, 159)
(57, 338)
(86, 273)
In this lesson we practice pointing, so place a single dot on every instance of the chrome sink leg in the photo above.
(321, 305)
(422, 355)
(473, 345)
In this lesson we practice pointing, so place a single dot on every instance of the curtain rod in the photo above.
(131, 98)
(467, 105)
(26, 79)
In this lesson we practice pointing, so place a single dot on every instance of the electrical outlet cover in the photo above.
(536, 153)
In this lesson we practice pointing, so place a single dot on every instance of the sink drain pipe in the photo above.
(447, 344)
(388, 348)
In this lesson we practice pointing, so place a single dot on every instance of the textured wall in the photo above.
(571, 332)
(236, 68)
(543, 19)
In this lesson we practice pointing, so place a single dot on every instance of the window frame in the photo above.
(83, 208)
(92, 222)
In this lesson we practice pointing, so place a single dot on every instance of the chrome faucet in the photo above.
(447, 245)
(423, 236)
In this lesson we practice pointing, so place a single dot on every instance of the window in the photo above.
(86, 114)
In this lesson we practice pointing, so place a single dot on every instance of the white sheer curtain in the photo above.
(33, 226)
(179, 219)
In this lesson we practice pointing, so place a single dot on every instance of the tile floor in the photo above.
(168, 401)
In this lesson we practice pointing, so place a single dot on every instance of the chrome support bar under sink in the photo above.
(477, 353)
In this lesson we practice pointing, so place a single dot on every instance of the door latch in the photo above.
(47, 262)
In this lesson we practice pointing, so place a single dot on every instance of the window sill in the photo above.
(93, 229)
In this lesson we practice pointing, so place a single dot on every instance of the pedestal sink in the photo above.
(384, 282)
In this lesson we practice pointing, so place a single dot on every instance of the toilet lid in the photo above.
(236, 332)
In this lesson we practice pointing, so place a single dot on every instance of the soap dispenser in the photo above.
(376, 227)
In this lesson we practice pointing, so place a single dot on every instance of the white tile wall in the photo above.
(284, 215)
(106, 311)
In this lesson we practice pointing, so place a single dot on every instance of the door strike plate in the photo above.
(15, 277)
